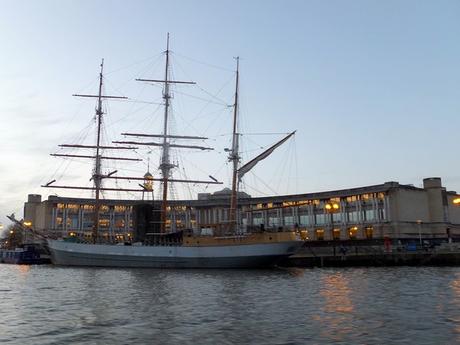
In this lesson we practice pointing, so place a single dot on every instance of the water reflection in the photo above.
(52, 305)
(23, 269)
(455, 287)
(336, 308)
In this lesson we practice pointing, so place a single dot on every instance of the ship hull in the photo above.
(230, 256)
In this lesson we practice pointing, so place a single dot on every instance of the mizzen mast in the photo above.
(235, 158)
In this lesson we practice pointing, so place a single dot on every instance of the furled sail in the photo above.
(252, 163)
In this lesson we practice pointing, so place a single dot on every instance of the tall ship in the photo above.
(156, 245)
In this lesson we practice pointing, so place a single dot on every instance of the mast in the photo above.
(234, 156)
(97, 175)
(97, 171)
(165, 140)
(165, 165)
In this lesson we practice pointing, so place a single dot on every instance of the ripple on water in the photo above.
(51, 305)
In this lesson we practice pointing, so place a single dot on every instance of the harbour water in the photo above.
(394, 305)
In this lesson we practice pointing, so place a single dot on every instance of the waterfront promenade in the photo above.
(375, 253)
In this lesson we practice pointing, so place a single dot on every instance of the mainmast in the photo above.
(165, 164)
(234, 156)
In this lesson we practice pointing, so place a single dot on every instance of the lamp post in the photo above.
(419, 224)
(456, 202)
(27, 225)
(330, 208)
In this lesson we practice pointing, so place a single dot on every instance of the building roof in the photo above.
(223, 197)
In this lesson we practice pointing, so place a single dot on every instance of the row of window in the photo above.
(322, 202)
(322, 219)
(351, 233)
(73, 208)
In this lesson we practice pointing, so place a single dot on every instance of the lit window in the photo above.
(369, 232)
(353, 232)
(336, 234)
(319, 234)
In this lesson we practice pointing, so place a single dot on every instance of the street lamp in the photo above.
(330, 208)
(419, 223)
(27, 224)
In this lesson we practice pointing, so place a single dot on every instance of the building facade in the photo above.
(386, 210)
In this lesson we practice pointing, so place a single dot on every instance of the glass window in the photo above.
(369, 232)
(273, 221)
(351, 198)
(353, 232)
(336, 234)
(319, 234)
(336, 217)
(288, 220)
(104, 223)
(353, 217)
(304, 235)
(369, 215)
(304, 220)
(257, 220)
(320, 218)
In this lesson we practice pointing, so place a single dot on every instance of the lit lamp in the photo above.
(147, 186)
(148, 181)
(456, 201)
(27, 224)
(332, 207)
(352, 232)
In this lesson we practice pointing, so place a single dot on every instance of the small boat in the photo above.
(28, 254)
(228, 246)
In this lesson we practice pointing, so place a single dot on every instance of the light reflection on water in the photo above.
(336, 307)
(54, 305)
(455, 286)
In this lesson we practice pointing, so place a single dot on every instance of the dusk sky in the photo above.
(372, 88)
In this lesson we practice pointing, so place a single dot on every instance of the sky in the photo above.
(372, 88)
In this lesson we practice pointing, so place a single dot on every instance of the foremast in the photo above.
(97, 175)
